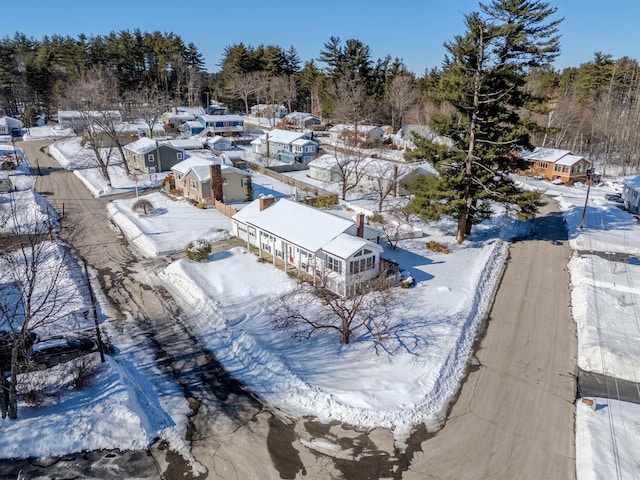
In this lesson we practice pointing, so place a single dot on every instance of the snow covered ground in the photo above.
(362, 385)
(72, 156)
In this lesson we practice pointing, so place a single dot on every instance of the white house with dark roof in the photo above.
(325, 246)
(286, 146)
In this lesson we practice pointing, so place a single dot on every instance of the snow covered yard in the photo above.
(72, 156)
(170, 226)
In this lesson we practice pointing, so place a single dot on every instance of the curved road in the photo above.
(513, 418)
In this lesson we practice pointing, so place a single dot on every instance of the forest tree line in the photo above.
(591, 109)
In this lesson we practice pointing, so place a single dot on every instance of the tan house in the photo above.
(193, 179)
(555, 164)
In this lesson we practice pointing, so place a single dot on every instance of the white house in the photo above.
(331, 249)
(302, 120)
(10, 126)
(631, 194)
(373, 173)
(76, 119)
(286, 146)
(348, 133)
(269, 110)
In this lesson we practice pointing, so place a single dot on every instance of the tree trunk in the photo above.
(4, 395)
(13, 381)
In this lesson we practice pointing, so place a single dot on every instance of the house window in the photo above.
(333, 263)
(192, 183)
(179, 155)
(362, 265)
(244, 182)
(309, 149)
(543, 164)
(225, 181)
(151, 158)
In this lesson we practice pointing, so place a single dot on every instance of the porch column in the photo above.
(273, 250)
(285, 249)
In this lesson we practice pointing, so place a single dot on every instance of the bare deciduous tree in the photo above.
(400, 97)
(311, 309)
(396, 223)
(35, 289)
(242, 86)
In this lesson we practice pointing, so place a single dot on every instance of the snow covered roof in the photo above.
(193, 124)
(222, 118)
(143, 145)
(633, 182)
(195, 111)
(302, 141)
(361, 128)
(218, 139)
(569, 160)
(11, 122)
(187, 144)
(546, 154)
(191, 162)
(345, 245)
(282, 136)
(299, 224)
(301, 117)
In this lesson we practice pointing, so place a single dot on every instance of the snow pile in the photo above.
(604, 300)
(607, 440)
(26, 212)
(105, 414)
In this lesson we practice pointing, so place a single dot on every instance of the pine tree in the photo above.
(483, 78)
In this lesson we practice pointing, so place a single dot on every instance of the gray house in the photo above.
(150, 156)
(286, 146)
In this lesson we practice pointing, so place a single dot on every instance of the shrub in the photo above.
(323, 202)
(143, 206)
(437, 247)
(198, 250)
(84, 370)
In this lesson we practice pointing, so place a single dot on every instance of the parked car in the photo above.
(52, 351)
(614, 197)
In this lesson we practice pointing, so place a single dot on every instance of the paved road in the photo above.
(514, 418)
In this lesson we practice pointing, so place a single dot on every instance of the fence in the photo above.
(270, 172)
(226, 210)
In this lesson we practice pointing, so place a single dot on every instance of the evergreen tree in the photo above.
(482, 78)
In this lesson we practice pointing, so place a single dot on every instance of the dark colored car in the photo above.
(614, 197)
(52, 351)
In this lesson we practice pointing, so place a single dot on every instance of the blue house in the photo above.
(222, 124)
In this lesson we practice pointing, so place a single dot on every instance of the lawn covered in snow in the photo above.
(170, 226)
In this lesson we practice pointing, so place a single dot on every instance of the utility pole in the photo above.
(584, 211)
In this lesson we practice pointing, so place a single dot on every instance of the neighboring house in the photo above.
(373, 173)
(193, 179)
(348, 133)
(217, 109)
(126, 133)
(269, 110)
(404, 139)
(631, 195)
(310, 240)
(150, 156)
(221, 144)
(187, 144)
(227, 125)
(192, 127)
(302, 120)
(10, 126)
(76, 119)
(286, 146)
(179, 115)
(556, 164)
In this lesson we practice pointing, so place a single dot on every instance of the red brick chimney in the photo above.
(216, 182)
(266, 201)
(360, 223)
